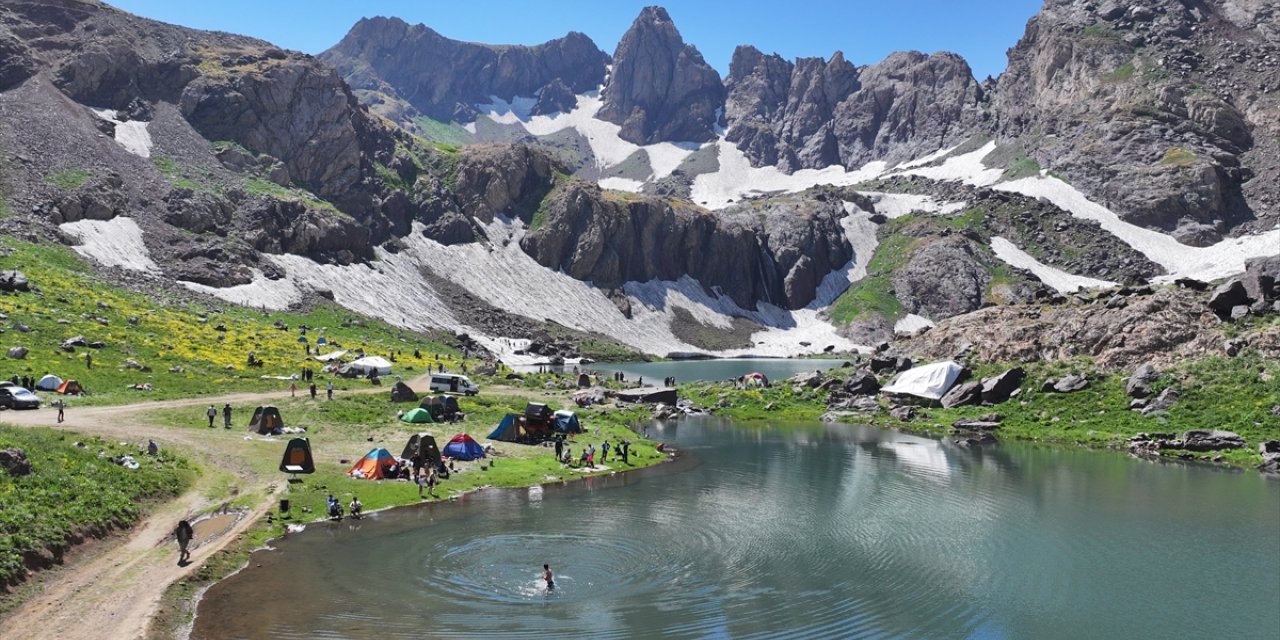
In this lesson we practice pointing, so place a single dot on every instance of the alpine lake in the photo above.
(793, 531)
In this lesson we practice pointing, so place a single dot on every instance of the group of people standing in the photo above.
(565, 454)
(212, 413)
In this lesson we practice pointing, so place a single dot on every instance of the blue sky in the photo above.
(865, 30)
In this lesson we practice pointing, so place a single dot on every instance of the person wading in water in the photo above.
(546, 575)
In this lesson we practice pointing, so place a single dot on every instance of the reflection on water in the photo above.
(809, 532)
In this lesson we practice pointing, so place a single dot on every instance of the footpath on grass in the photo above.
(117, 587)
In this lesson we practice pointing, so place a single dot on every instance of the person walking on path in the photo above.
(184, 533)
(212, 413)
(226, 416)
(329, 389)
(293, 389)
(61, 405)
(546, 575)
(313, 391)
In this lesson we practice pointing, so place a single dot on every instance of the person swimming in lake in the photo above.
(546, 575)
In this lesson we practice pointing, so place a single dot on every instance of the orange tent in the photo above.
(70, 387)
(375, 465)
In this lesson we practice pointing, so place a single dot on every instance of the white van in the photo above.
(453, 383)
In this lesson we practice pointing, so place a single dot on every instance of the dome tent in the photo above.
(417, 415)
(375, 465)
(463, 447)
(49, 383)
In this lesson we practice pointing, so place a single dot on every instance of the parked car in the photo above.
(18, 398)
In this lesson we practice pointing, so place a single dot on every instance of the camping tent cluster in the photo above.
(53, 383)
(380, 463)
(537, 424)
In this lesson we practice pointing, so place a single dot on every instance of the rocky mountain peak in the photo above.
(404, 70)
(814, 113)
(1153, 107)
(661, 88)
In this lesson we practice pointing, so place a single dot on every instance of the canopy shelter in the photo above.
(508, 430)
(417, 415)
(266, 419)
(49, 383)
(297, 457)
(375, 365)
(566, 421)
(330, 356)
(425, 444)
(930, 381)
(463, 447)
(70, 388)
(375, 465)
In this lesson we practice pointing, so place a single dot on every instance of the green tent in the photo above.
(417, 415)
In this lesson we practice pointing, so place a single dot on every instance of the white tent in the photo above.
(49, 383)
(333, 355)
(930, 381)
(375, 364)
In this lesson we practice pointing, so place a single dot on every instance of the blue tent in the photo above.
(567, 422)
(462, 447)
(508, 430)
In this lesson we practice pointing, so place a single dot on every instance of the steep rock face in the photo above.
(781, 112)
(297, 111)
(777, 256)
(445, 78)
(503, 179)
(1164, 110)
(814, 113)
(661, 88)
(909, 105)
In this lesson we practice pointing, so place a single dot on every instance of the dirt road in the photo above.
(115, 592)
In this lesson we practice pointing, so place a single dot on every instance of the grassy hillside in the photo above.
(186, 349)
(74, 491)
(1235, 394)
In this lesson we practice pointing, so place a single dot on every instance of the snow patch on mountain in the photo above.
(116, 243)
(262, 292)
(1181, 261)
(1054, 277)
(131, 134)
(609, 149)
(967, 167)
(911, 323)
(737, 179)
(621, 184)
(896, 205)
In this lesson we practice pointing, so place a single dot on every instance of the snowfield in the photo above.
(737, 179)
(116, 243)
(1060, 280)
(609, 149)
(131, 135)
(1181, 261)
